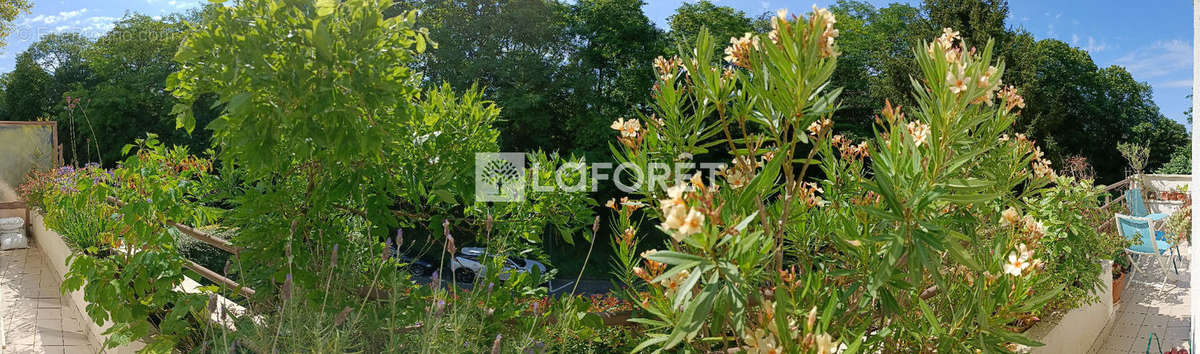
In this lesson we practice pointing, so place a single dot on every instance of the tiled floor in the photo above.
(1150, 306)
(35, 316)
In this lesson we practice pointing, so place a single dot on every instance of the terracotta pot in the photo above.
(1118, 286)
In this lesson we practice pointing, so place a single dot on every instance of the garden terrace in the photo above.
(341, 200)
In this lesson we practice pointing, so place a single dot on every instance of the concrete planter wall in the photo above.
(1079, 328)
(56, 251)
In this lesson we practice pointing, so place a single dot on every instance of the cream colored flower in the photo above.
(828, 33)
(738, 52)
(985, 79)
(674, 198)
(818, 126)
(953, 55)
(1009, 217)
(1041, 168)
(618, 124)
(761, 342)
(826, 344)
(824, 15)
(674, 217)
(919, 132)
(691, 225)
(1017, 263)
(675, 281)
(1011, 99)
(957, 82)
(1003, 138)
(947, 38)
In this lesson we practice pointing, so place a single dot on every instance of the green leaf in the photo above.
(325, 7)
(591, 320)
(672, 257)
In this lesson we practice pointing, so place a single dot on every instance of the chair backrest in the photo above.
(1137, 229)
(1133, 199)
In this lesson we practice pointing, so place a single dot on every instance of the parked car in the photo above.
(416, 266)
(468, 263)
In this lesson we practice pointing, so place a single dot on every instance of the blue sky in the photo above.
(1152, 42)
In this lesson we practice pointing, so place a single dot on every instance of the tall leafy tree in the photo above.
(722, 22)
(128, 99)
(610, 69)
(61, 54)
(27, 98)
(513, 49)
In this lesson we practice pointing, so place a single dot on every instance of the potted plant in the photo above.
(1120, 275)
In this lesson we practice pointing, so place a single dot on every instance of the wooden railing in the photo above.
(208, 239)
(1109, 202)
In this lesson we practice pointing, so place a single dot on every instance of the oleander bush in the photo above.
(925, 237)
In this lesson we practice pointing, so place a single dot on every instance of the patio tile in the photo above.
(1149, 306)
(37, 317)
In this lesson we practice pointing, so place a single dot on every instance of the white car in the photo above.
(468, 263)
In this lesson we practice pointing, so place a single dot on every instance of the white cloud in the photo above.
(1159, 59)
(1094, 47)
(44, 19)
(1175, 84)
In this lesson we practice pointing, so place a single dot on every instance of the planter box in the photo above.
(1075, 331)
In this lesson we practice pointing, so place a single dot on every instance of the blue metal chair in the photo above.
(1148, 241)
(1137, 206)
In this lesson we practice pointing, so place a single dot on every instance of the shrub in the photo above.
(1180, 162)
(918, 239)
(1070, 211)
(124, 258)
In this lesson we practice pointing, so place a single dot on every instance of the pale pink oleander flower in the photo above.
(919, 132)
(691, 225)
(946, 40)
(1017, 263)
(957, 82)
(674, 198)
(674, 217)
(1009, 217)
(953, 55)
(826, 344)
(738, 52)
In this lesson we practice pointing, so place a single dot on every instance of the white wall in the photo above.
(1079, 328)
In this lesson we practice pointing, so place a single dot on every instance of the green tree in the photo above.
(1180, 162)
(977, 21)
(61, 54)
(514, 51)
(723, 22)
(27, 98)
(128, 96)
(9, 10)
(610, 70)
